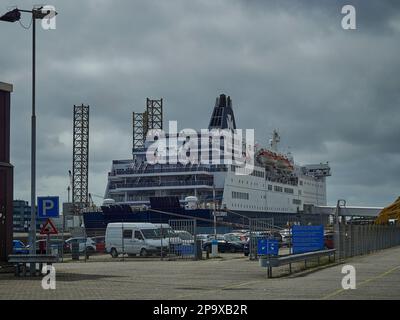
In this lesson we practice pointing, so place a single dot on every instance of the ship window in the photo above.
(289, 190)
(240, 195)
(269, 187)
(296, 201)
(278, 188)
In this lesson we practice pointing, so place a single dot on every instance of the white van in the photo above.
(134, 239)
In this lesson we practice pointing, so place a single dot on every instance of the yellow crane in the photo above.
(389, 213)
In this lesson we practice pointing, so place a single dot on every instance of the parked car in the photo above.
(165, 230)
(203, 237)
(100, 244)
(19, 247)
(246, 248)
(224, 246)
(234, 237)
(185, 236)
(286, 235)
(219, 237)
(86, 245)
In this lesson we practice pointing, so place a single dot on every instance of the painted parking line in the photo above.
(339, 291)
(232, 286)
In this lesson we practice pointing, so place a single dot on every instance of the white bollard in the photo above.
(214, 248)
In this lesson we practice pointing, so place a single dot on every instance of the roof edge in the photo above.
(6, 87)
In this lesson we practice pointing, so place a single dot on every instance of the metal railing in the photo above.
(276, 261)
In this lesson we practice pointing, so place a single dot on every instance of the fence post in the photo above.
(123, 242)
(352, 239)
(85, 252)
(370, 238)
(344, 241)
(336, 230)
(361, 238)
(379, 238)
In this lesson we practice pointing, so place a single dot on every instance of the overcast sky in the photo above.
(333, 94)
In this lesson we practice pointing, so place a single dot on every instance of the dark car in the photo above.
(19, 247)
(224, 246)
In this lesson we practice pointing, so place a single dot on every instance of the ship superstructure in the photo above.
(275, 185)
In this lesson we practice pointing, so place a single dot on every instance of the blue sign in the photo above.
(48, 207)
(307, 238)
(268, 247)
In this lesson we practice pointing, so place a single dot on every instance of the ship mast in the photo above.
(274, 141)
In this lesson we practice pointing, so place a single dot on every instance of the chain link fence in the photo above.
(182, 241)
(178, 238)
(259, 229)
(175, 240)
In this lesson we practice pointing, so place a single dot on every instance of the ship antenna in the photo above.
(275, 140)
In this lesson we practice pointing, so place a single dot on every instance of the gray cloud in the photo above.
(333, 94)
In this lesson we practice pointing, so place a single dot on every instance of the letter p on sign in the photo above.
(48, 207)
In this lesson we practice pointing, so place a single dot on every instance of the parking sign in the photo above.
(48, 207)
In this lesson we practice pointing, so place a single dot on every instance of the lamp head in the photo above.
(41, 13)
(11, 16)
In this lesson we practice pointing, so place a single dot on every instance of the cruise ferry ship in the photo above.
(275, 187)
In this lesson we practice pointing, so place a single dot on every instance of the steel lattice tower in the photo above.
(80, 167)
(154, 110)
(139, 130)
(152, 118)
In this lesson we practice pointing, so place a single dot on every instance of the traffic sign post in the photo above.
(48, 207)
(48, 229)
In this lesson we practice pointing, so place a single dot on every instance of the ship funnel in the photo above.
(222, 100)
(222, 116)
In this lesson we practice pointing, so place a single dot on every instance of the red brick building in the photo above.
(6, 174)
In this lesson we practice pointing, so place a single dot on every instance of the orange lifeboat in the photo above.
(266, 158)
(283, 163)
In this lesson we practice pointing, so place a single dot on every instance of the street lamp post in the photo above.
(33, 141)
(13, 16)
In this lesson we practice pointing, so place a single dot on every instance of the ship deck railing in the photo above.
(162, 184)
(177, 169)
